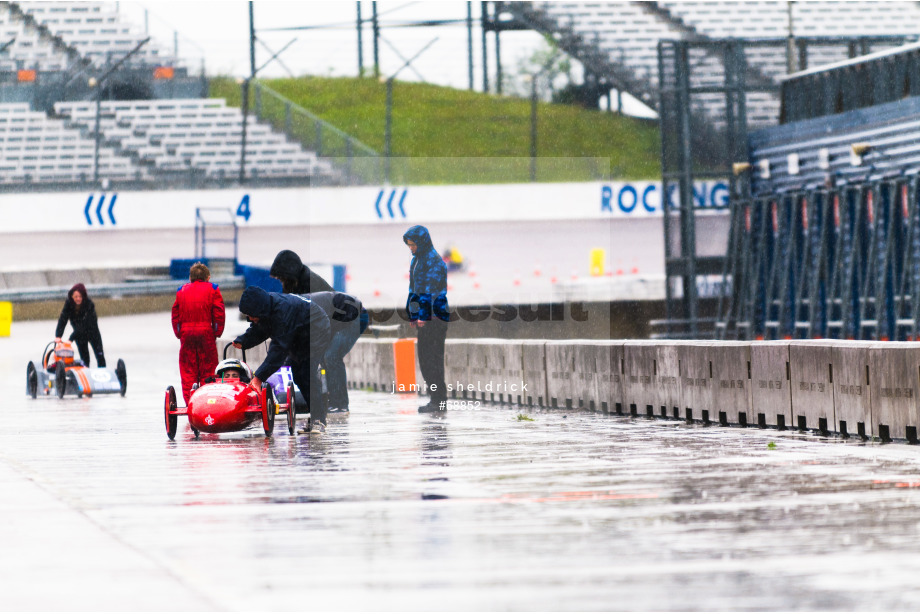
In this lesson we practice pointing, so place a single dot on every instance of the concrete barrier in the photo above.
(533, 358)
(811, 365)
(513, 371)
(611, 380)
(560, 374)
(893, 387)
(771, 395)
(853, 388)
(852, 397)
(695, 362)
(731, 382)
(457, 368)
(651, 378)
(640, 393)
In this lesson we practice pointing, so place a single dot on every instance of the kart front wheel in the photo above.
(31, 380)
(60, 380)
(291, 409)
(169, 406)
(268, 412)
(122, 373)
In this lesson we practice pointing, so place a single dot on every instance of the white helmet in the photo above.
(233, 363)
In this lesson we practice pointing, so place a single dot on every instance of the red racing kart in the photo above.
(226, 407)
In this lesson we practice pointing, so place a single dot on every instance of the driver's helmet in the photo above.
(232, 369)
(63, 352)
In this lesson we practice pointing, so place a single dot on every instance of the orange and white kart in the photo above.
(61, 374)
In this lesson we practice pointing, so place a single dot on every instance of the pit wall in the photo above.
(849, 388)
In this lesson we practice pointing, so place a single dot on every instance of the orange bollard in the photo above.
(404, 359)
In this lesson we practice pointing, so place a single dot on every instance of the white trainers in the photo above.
(317, 428)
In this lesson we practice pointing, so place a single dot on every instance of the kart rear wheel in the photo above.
(122, 373)
(31, 380)
(169, 405)
(268, 412)
(60, 380)
(291, 410)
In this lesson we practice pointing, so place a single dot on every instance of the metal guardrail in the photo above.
(134, 288)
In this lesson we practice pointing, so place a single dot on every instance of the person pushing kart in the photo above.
(299, 331)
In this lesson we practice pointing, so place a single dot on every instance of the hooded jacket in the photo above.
(342, 309)
(427, 279)
(288, 265)
(296, 327)
(84, 321)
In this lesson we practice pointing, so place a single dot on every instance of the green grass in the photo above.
(433, 126)
(524, 418)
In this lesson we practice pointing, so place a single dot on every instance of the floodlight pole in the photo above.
(99, 85)
(533, 128)
(790, 42)
(360, 42)
(388, 122)
(244, 103)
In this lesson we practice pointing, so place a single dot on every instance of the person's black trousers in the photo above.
(431, 357)
(305, 375)
(83, 348)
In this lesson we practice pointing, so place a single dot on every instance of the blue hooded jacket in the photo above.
(297, 327)
(427, 279)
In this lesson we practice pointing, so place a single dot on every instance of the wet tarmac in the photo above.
(392, 510)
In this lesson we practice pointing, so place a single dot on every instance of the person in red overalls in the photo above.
(197, 320)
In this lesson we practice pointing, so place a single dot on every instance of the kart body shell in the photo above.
(60, 373)
(279, 381)
(225, 406)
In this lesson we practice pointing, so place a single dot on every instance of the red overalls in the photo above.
(197, 319)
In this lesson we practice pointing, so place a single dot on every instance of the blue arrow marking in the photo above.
(112, 206)
(89, 203)
(377, 205)
(99, 209)
(402, 199)
(390, 204)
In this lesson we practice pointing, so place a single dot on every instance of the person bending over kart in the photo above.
(197, 321)
(295, 276)
(81, 312)
(299, 331)
(347, 319)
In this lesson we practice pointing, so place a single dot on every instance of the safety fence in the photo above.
(839, 263)
(851, 388)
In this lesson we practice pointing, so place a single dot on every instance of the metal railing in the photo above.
(350, 161)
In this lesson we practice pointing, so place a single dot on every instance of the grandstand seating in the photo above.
(29, 50)
(142, 140)
(36, 148)
(193, 134)
(628, 32)
(95, 30)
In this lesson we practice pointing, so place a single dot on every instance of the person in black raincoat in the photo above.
(300, 334)
(428, 311)
(295, 276)
(80, 310)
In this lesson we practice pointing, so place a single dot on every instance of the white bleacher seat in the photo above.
(629, 33)
(176, 135)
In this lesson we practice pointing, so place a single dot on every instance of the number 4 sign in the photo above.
(243, 210)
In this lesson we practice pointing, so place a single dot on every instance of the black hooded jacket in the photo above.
(296, 326)
(84, 321)
(342, 309)
(288, 265)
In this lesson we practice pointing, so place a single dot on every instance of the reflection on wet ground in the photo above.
(468, 510)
